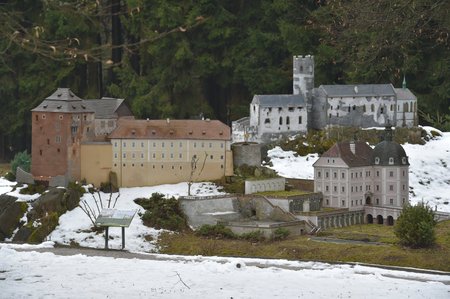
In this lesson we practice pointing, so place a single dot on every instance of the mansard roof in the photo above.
(404, 94)
(358, 90)
(63, 100)
(277, 100)
(171, 129)
(106, 107)
(362, 155)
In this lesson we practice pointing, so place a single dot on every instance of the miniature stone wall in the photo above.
(276, 184)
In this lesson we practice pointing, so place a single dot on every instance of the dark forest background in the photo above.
(183, 59)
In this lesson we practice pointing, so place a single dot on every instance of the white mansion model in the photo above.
(353, 176)
(361, 105)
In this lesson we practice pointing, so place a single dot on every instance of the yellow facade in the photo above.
(147, 162)
(96, 162)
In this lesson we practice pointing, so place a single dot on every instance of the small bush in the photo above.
(10, 176)
(281, 233)
(75, 186)
(254, 236)
(215, 231)
(162, 213)
(415, 226)
(33, 189)
(22, 160)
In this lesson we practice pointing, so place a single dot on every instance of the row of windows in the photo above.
(355, 188)
(154, 156)
(280, 109)
(171, 144)
(61, 117)
(355, 174)
(173, 167)
(280, 120)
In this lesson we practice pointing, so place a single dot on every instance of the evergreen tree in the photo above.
(415, 226)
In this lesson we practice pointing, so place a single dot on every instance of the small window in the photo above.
(391, 187)
(133, 144)
(391, 201)
(142, 144)
(299, 120)
(36, 117)
(162, 144)
(281, 120)
(61, 117)
(291, 109)
(343, 203)
(287, 120)
(44, 116)
(403, 160)
(171, 144)
(124, 155)
(377, 160)
(391, 173)
(391, 161)
(124, 144)
(40, 152)
(318, 174)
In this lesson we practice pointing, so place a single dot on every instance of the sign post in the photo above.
(114, 218)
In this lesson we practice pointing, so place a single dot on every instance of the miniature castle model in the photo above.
(360, 105)
(353, 176)
(75, 139)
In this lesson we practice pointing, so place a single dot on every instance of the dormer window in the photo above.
(403, 160)
(377, 160)
(391, 161)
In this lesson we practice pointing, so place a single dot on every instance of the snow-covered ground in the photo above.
(45, 275)
(429, 171)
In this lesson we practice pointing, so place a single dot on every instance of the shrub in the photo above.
(254, 236)
(10, 176)
(281, 233)
(162, 213)
(216, 231)
(75, 186)
(415, 226)
(22, 160)
(33, 189)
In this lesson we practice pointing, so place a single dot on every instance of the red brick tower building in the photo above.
(59, 125)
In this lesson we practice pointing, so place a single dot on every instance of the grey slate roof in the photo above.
(104, 107)
(404, 94)
(63, 100)
(362, 90)
(275, 100)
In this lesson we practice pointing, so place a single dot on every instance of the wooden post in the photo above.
(123, 237)
(106, 237)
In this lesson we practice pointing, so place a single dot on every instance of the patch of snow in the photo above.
(288, 164)
(33, 274)
(75, 226)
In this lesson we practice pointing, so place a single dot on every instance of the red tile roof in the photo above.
(361, 157)
(171, 129)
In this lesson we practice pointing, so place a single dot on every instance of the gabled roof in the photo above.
(361, 157)
(404, 94)
(63, 100)
(105, 107)
(275, 100)
(358, 90)
(171, 129)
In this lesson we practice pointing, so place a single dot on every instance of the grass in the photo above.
(304, 248)
(4, 168)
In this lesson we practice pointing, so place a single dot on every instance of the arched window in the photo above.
(287, 120)
(281, 120)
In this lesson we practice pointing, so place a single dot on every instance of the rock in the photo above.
(58, 181)
(57, 200)
(24, 177)
(10, 214)
(23, 234)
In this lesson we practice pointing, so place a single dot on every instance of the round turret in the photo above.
(389, 153)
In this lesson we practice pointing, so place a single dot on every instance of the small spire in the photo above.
(404, 82)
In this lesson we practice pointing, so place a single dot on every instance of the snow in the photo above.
(75, 227)
(32, 274)
(429, 171)
(290, 165)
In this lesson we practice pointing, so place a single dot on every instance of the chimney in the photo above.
(353, 147)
